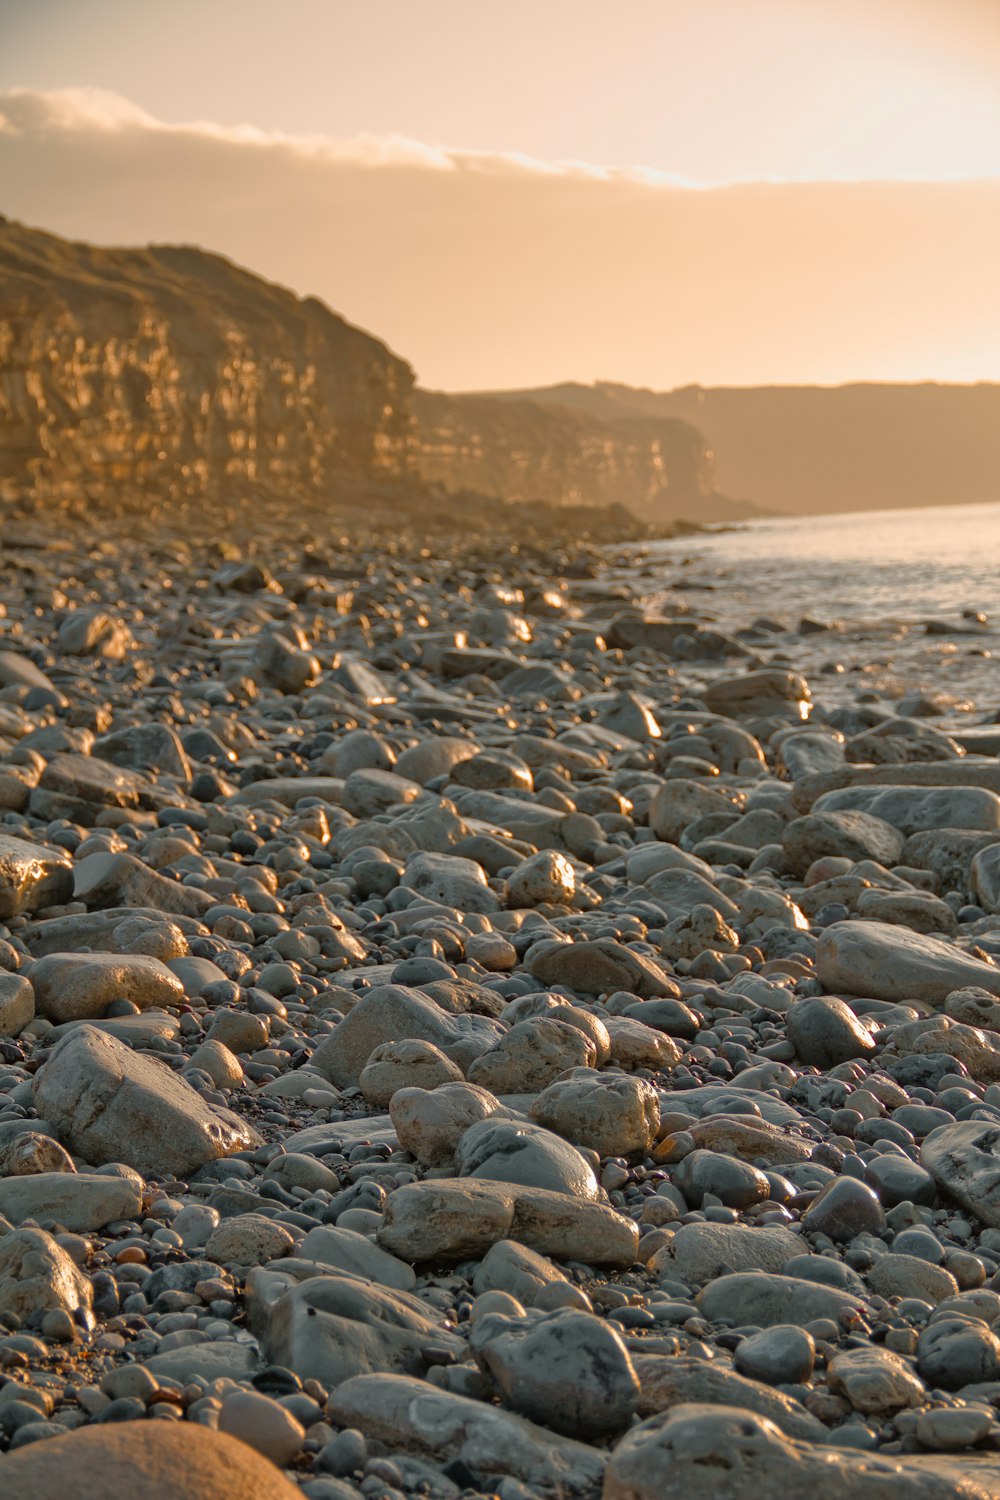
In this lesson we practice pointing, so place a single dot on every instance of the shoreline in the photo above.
(424, 972)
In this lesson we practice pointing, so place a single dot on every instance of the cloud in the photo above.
(28, 113)
(488, 269)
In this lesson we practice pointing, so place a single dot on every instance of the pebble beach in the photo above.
(483, 1015)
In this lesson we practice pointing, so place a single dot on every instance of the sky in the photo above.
(512, 192)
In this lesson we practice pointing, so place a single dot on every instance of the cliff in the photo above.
(525, 450)
(138, 377)
(170, 371)
(817, 448)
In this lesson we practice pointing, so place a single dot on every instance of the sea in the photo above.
(900, 589)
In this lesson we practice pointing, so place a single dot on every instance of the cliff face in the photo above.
(523, 450)
(838, 448)
(171, 371)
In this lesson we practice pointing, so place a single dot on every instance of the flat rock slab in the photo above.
(685, 1450)
(93, 780)
(450, 1220)
(891, 963)
(81, 1202)
(32, 876)
(103, 880)
(915, 809)
(755, 1297)
(964, 1160)
(416, 1417)
(81, 986)
(668, 1380)
(109, 1103)
(331, 1328)
(118, 929)
(159, 1460)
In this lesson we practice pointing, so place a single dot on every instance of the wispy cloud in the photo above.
(489, 269)
(25, 113)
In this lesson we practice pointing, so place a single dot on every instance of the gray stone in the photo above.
(455, 1220)
(614, 1116)
(81, 986)
(685, 1450)
(779, 1355)
(430, 1122)
(331, 1328)
(531, 1055)
(668, 1380)
(964, 1161)
(954, 1352)
(753, 1297)
(17, 1004)
(78, 1201)
(413, 1417)
(37, 1275)
(843, 1209)
(518, 1152)
(391, 1013)
(892, 963)
(569, 1371)
(875, 1381)
(825, 1031)
(108, 1103)
(698, 1253)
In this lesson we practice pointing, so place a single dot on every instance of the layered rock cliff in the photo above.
(139, 376)
(528, 450)
(824, 448)
(170, 371)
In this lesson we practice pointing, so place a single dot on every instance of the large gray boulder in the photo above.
(730, 1453)
(964, 1161)
(893, 963)
(390, 1012)
(414, 1417)
(108, 1103)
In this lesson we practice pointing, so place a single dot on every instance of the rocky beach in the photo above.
(464, 1033)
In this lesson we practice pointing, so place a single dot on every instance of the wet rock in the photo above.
(32, 876)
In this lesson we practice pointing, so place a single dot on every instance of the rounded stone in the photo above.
(781, 1355)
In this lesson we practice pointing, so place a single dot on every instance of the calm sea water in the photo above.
(883, 575)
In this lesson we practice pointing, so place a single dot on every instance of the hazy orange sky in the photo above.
(517, 191)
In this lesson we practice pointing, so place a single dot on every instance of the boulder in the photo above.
(108, 1103)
